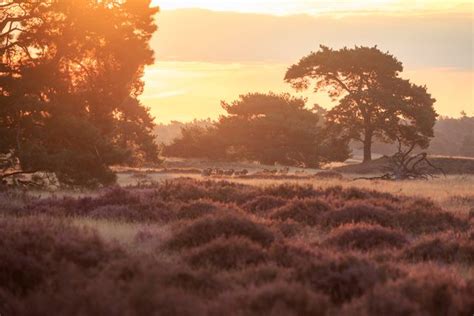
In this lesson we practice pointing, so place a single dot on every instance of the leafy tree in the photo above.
(70, 75)
(197, 141)
(373, 101)
(268, 128)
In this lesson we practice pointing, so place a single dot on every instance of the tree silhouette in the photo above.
(269, 128)
(69, 81)
(373, 101)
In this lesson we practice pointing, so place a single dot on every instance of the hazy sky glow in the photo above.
(208, 51)
(283, 7)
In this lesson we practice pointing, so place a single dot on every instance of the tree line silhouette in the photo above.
(70, 77)
(374, 102)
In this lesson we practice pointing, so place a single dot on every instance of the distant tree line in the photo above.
(374, 104)
(166, 133)
(452, 136)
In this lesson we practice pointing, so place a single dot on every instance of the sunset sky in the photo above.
(207, 51)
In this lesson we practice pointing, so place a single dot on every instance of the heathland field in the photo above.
(257, 159)
(182, 244)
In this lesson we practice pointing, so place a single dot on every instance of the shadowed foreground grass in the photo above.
(188, 247)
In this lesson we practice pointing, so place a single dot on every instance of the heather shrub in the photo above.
(257, 275)
(381, 302)
(236, 249)
(112, 290)
(222, 253)
(353, 193)
(166, 302)
(50, 267)
(208, 228)
(418, 221)
(427, 293)
(278, 298)
(34, 249)
(358, 212)
(185, 190)
(229, 192)
(104, 297)
(69, 292)
(365, 237)
(263, 204)
(307, 211)
(200, 208)
(201, 283)
(328, 174)
(117, 196)
(114, 204)
(182, 189)
(12, 201)
(144, 235)
(141, 213)
(288, 254)
(342, 278)
(288, 228)
(289, 191)
(446, 248)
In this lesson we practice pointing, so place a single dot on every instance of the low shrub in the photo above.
(342, 278)
(417, 220)
(201, 283)
(278, 298)
(236, 249)
(223, 253)
(263, 204)
(142, 213)
(289, 191)
(307, 211)
(291, 254)
(98, 296)
(185, 190)
(196, 209)
(365, 237)
(431, 292)
(208, 228)
(358, 212)
(257, 275)
(353, 193)
(328, 174)
(446, 248)
(13, 201)
(33, 249)
(288, 228)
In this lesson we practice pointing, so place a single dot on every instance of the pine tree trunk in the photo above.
(368, 146)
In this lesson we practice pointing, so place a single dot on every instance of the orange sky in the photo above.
(206, 56)
(285, 7)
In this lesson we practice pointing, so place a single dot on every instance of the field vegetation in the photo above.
(260, 212)
(191, 247)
